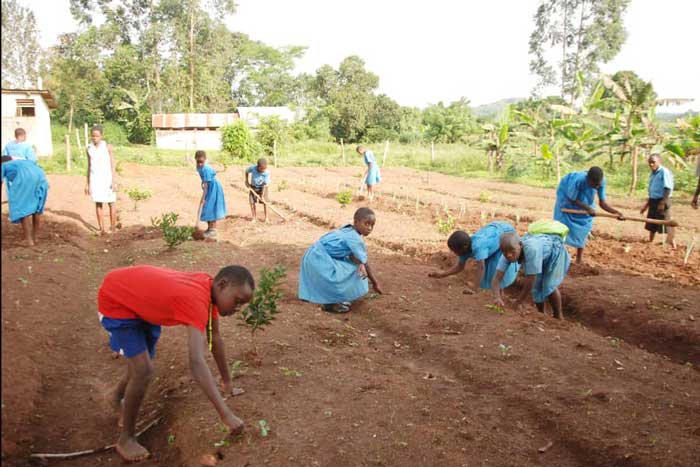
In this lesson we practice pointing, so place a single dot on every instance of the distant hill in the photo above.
(495, 108)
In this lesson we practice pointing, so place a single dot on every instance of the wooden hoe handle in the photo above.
(670, 222)
(267, 204)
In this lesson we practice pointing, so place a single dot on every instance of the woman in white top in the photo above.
(101, 178)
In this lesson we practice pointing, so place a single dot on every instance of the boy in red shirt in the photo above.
(135, 302)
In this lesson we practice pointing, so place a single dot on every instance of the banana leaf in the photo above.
(546, 153)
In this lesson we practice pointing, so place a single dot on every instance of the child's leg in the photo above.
(652, 234)
(116, 397)
(555, 300)
(140, 374)
(370, 192)
(265, 212)
(100, 219)
(540, 307)
(671, 236)
(36, 220)
(579, 255)
(27, 230)
(253, 213)
(112, 216)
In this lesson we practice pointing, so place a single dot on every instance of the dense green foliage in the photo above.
(237, 143)
(263, 308)
(20, 47)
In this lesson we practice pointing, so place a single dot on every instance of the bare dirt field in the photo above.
(421, 376)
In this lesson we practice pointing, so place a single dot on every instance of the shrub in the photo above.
(172, 234)
(136, 194)
(263, 307)
(282, 185)
(344, 197)
(272, 129)
(237, 143)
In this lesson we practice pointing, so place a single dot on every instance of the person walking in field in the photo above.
(212, 206)
(658, 205)
(102, 178)
(19, 148)
(335, 269)
(483, 247)
(577, 190)
(134, 303)
(373, 177)
(544, 260)
(27, 190)
(259, 183)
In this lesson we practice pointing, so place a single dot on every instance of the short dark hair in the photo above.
(362, 214)
(595, 175)
(19, 132)
(97, 128)
(459, 241)
(262, 161)
(235, 275)
(199, 154)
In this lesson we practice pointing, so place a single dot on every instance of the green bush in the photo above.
(136, 194)
(237, 143)
(263, 307)
(344, 197)
(272, 129)
(172, 234)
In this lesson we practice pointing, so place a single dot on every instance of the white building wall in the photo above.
(38, 127)
(188, 139)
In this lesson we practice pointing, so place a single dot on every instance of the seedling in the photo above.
(505, 350)
(289, 372)
(238, 369)
(484, 197)
(264, 428)
(282, 185)
(446, 225)
(171, 440)
(172, 234)
(222, 443)
(497, 308)
(263, 308)
(136, 194)
(344, 197)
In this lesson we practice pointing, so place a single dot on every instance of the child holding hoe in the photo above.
(259, 183)
(135, 302)
(334, 270)
(27, 190)
(212, 206)
(483, 247)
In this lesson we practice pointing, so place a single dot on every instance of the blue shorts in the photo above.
(131, 337)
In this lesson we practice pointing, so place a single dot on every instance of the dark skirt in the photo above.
(260, 190)
(656, 213)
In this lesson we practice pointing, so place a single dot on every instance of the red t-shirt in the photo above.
(158, 296)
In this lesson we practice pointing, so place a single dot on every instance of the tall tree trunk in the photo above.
(627, 133)
(191, 56)
(578, 47)
(563, 50)
(70, 115)
(635, 154)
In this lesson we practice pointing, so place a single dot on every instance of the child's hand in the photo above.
(247, 183)
(378, 289)
(499, 302)
(233, 423)
(362, 271)
(644, 208)
(591, 212)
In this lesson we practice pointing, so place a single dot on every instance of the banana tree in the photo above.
(496, 139)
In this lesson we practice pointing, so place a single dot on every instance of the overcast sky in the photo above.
(428, 51)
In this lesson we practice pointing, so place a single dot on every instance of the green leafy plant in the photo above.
(445, 225)
(290, 372)
(172, 234)
(484, 197)
(505, 350)
(238, 369)
(282, 185)
(263, 307)
(264, 428)
(497, 308)
(237, 143)
(344, 197)
(136, 194)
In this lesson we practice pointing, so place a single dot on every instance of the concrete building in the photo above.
(190, 131)
(28, 109)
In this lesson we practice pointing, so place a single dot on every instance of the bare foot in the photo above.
(265, 220)
(253, 220)
(131, 450)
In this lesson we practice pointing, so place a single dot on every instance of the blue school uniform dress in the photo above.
(19, 150)
(327, 275)
(485, 246)
(27, 188)
(214, 203)
(545, 256)
(574, 187)
(373, 176)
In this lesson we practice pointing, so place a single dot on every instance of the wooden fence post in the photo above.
(77, 139)
(342, 150)
(68, 161)
(386, 151)
(86, 135)
(274, 152)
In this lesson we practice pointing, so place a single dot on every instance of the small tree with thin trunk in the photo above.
(264, 306)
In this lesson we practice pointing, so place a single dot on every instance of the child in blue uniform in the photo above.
(19, 148)
(212, 206)
(545, 261)
(259, 183)
(577, 190)
(334, 270)
(373, 176)
(27, 189)
(482, 247)
(658, 205)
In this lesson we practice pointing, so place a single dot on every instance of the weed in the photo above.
(289, 372)
(172, 234)
(344, 197)
(171, 440)
(136, 194)
(263, 308)
(238, 369)
(505, 350)
(264, 428)
(484, 197)
(446, 225)
(497, 308)
(282, 185)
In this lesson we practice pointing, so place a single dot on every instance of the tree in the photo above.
(20, 47)
(272, 130)
(448, 124)
(589, 32)
(384, 122)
